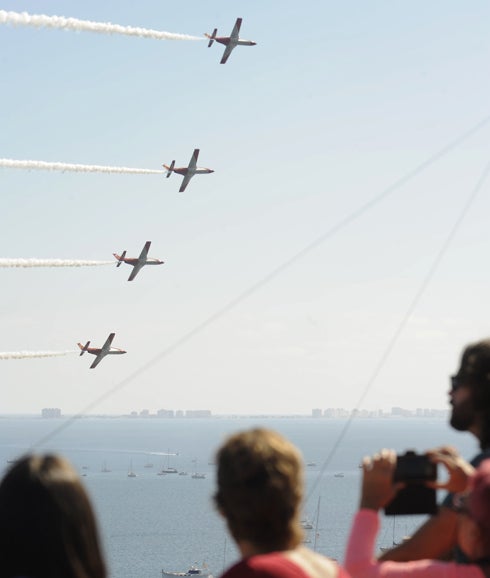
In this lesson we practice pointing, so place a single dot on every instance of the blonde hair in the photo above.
(260, 488)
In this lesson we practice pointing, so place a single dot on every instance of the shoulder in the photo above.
(261, 566)
(314, 565)
(283, 565)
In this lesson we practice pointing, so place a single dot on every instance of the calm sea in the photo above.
(150, 522)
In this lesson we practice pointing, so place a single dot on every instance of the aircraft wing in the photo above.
(185, 182)
(135, 271)
(144, 252)
(107, 344)
(236, 29)
(227, 53)
(97, 360)
(193, 162)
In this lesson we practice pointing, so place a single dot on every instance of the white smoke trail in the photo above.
(51, 263)
(32, 354)
(60, 22)
(46, 166)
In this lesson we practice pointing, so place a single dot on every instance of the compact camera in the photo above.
(415, 498)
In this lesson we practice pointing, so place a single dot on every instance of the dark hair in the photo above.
(260, 487)
(475, 370)
(47, 525)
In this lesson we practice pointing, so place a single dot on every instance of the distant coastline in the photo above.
(316, 414)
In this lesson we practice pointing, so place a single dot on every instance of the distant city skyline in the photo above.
(316, 413)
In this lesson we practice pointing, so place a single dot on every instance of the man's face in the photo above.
(463, 413)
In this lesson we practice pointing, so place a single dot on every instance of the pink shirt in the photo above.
(361, 562)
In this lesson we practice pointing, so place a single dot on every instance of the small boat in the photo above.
(183, 474)
(306, 524)
(394, 542)
(338, 475)
(131, 473)
(105, 469)
(197, 476)
(311, 464)
(193, 571)
(168, 470)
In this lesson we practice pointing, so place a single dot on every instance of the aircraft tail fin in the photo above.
(120, 258)
(84, 348)
(169, 168)
(212, 37)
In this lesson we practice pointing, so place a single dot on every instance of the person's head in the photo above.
(47, 525)
(470, 392)
(260, 488)
(474, 507)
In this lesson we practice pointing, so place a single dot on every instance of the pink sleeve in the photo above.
(360, 560)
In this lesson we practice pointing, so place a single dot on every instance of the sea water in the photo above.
(151, 522)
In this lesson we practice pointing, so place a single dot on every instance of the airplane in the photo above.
(137, 262)
(229, 41)
(189, 171)
(101, 352)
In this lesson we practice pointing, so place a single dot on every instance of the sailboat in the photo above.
(131, 473)
(317, 520)
(168, 469)
(394, 543)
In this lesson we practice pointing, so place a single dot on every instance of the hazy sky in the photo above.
(338, 101)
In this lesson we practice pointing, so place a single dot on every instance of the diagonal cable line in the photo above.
(403, 323)
(252, 289)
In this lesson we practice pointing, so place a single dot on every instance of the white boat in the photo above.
(306, 524)
(131, 473)
(193, 571)
(168, 470)
(198, 476)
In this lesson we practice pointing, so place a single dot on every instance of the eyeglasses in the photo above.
(456, 382)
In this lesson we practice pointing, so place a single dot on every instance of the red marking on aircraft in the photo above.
(189, 171)
(229, 41)
(137, 262)
(101, 352)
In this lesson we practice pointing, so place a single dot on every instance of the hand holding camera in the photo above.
(459, 470)
(378, 487)
(406, 484)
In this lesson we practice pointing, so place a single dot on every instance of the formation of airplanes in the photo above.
(137, 262)
(189, 171)
(230, 42)
(101, 352)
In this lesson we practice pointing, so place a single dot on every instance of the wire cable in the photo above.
(401, 326)
(252, 289)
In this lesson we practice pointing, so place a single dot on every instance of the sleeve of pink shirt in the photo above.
(361, 562)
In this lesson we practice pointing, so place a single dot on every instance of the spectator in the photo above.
(47, 525)
(260, 489)
(470, 402)
(473, 521)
